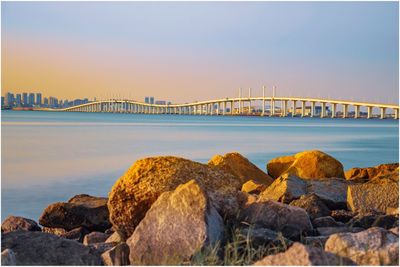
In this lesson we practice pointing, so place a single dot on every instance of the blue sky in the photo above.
(192, 51)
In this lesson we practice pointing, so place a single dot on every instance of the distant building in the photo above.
(18, 100)
(160, 102)
(46, 101)
(146, 100)
(2, 101)
(85, 100)
(25, 99)
(31, 99)
(9, 99)
(151, 100)
(39, 99)
(53, 102)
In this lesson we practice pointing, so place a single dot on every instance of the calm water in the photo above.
(49, 157)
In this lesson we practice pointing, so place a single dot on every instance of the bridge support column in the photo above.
(272, 108)
(383, 113)
(323, 110)
(356, 111)
(333, 106)
(303, 108)
(284, 108)
(369, 112)
(345, 109)
(263, 103)
(312, 109)
(294, 107)
(396, 114)
(223, 108)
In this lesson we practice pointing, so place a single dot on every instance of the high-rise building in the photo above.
(9, 99)
(31, 99)
(25, 99)
(39, 99)
(18, 100)
(160, 102)
(53, 102)
(146, 100)
(85, 100)
(151, 100)
(2, 101)
(46, 101)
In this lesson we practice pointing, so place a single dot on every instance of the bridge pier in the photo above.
(312, 109)
(396, 114)
(383, 113)
(345, 109)
(272, 108)
(333, 106)
(303, 108)
(369, 112)
(284, 108)
(323, 110)
(294, 108)
(356, 111)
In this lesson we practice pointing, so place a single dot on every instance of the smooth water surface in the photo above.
(49, 157)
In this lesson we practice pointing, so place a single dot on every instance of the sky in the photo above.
(192, 51)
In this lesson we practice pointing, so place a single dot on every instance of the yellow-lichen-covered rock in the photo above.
(388, 171)
(307, 165)
(252, 187)
(239, 166)
(134, 193)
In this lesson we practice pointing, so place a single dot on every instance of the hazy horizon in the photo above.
(188, 51)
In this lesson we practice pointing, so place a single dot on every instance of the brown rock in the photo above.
(316, 241)
(134, 193)
(100, 248)
(307, 165)
(260, 236)
(242, 168)
(81, 210)
(117, 256)
(327, 231)
(326, 221)
(375, 246)
(342, 215)
(95, 237)
(387, 171)
(252, 187)
(373, 219)
(289, 220)
(313, 205)
(114, 238)
(332, 191)
(54, 231)
(14, 223)
(37, 248)
(76, 234)
(373, 196)
(245, 199)
(302, 255)
(178, 224)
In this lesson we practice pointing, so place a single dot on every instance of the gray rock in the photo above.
(37, 248)
(117, 256)
(8, 258)
(262, 237)
(14, 223)
(373, 219)
(95, 237)
(80, 211)
(316, 241)
(326, 221)
(375, 246)
(303, 255)
(290, 220)
(178, 224)
(327, 231)
(314, 206)
(342, 215)
(101, 247)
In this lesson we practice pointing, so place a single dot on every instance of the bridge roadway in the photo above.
(240, 106)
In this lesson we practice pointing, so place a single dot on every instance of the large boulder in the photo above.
(378, 195)
(37, 248)
(302, 255)
(375, 246)
(332, 191)
(239, 166)
(290, 220)
(95, 237)
(76, 234)
(314, 206)
(81, 210)
(178, 224)
(388, 171)
(373, 219)
(8, 258)
(253, 187)
(134, 193)
(117, 256)
(307, 165)
(14, 223)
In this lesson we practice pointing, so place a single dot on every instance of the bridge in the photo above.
(261, 106)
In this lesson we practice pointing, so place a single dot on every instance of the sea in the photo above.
(49, 157)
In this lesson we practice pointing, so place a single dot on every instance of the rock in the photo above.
(134, 193)
(117, 256)
(95, 237)
(316, 241)
(373, 219)
(55, 231)
(37, 248)
(109, 231)
(302, 255)
(392, 211)
(342, 215)
(76, 234)
(326, 221)
(252, 187)
(388, 171)
(8, 258)
(307, 165)
(81, 210)
(101, 247)
(327, 231)
(289, 220)
(245, 199)
(332, 191)
(114, 238)
(178, 224)
(395, 230)
(375, 246)
(373, 196)
(260, 236)
(242, 168)
(14, 223)
(313, 205)
(277, 166)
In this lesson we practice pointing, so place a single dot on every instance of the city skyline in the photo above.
(202, 50)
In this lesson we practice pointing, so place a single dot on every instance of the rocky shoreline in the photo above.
(305, 210)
